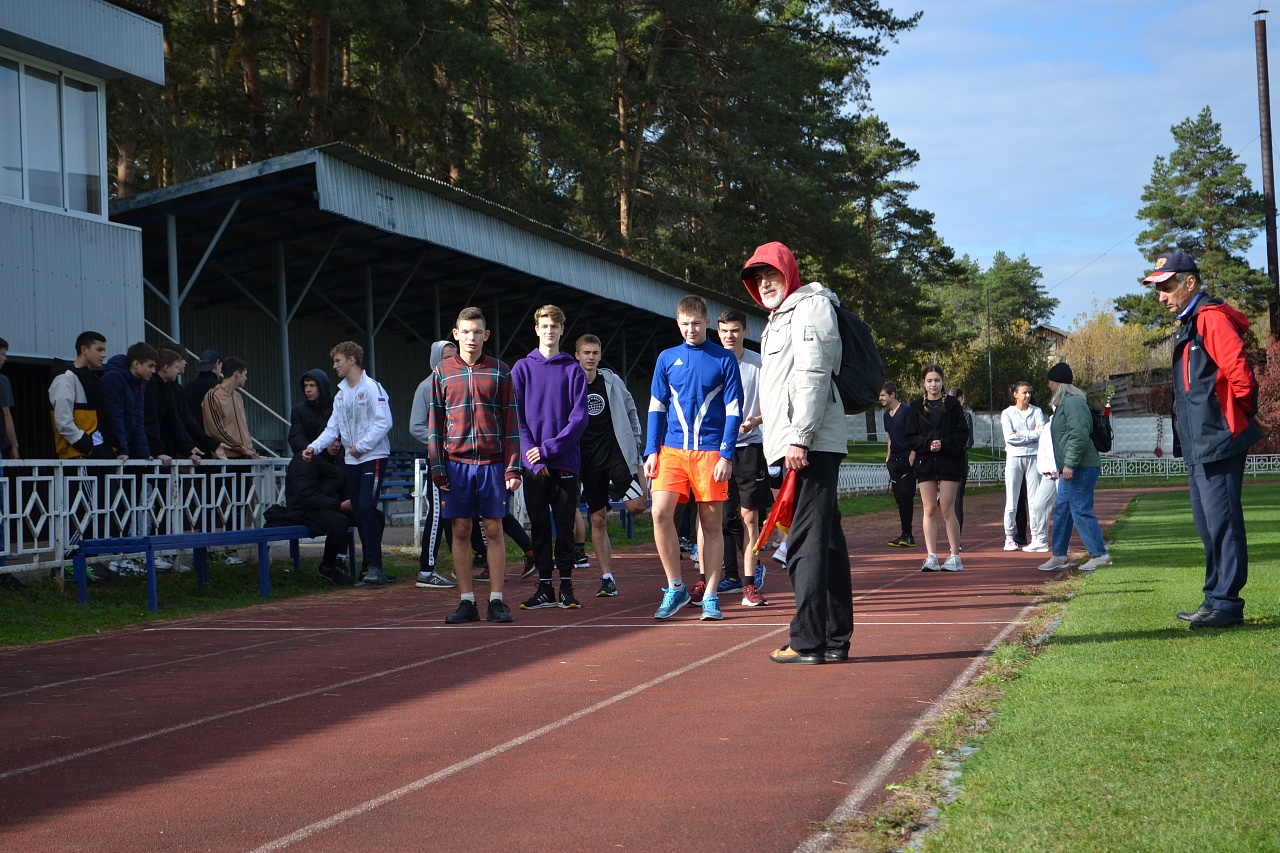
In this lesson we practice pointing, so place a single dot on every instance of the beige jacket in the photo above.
(799, 351)
(224, 420)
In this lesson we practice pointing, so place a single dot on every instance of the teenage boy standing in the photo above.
(76, 398)
(123, 421)
(695, 409)
(473, 445)
(900, 459)
(610, 453)
(362, 419)
(552, 394)
(749, 492)
(223, 409)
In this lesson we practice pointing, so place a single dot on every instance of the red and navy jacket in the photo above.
(473, 417)
(1214, 389)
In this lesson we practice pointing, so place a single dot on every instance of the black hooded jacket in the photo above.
(171, 429)
(308, 419)
(950, 428)
(316, 485)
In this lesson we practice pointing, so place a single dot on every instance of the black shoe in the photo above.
(836, 655)
(580, 559)
(530, 568)
(1199, 613)
(376, 577)
(900, 542)
(466, 612)
(910, 541)
(567, 599)
(334, 576)
(1020, 541)
(1217, 619)
(482, 575)
(480, 561)
(499, 612)
(786, 654)
(544, 596)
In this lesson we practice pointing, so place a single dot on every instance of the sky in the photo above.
(1037, 123)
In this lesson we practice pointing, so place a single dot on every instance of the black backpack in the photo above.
(1101, 434)
(861, 370)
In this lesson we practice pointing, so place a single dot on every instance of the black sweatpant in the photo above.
(1218, 512)
(512, 528)
(902, 482)
(546, 498)
(333, 526)
(434, 531)
(818, 560)
(364, 482)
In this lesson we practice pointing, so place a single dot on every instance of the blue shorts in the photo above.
(474, 490)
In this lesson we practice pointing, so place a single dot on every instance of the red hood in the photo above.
(778, 256)
(1235, 315)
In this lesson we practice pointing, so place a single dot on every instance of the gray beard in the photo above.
(772, 302)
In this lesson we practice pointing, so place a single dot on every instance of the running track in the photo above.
(357, 721)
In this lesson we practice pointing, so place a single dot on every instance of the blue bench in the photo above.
(198, 543)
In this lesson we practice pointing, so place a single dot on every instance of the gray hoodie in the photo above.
(800, 351)
(421, 411)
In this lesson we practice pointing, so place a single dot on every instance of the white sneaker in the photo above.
(1009, 544)
(1037, 545)
(163, 564)
(1054, 564)
(127, 567)
(1087, 568)
(233, 560)
(780, 555)
(953, 564)
(931, 564)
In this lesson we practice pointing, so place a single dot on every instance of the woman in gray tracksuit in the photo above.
(1022, 424)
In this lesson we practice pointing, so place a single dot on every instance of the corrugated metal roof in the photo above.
(94, 37)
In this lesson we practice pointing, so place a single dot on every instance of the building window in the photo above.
(51, 137)
(10, 132)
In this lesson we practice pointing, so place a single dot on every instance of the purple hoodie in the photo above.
(552, 393)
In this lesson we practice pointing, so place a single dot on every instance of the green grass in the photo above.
(1129, 732)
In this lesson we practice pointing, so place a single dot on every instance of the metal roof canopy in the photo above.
(334, 234)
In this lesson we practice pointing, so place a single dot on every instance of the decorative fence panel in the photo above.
(47, 505)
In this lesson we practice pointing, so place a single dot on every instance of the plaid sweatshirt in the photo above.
(473, 417)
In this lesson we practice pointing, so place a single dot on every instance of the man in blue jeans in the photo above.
(1215, 421)
(1080, 465)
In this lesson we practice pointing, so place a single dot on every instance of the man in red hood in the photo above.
(1215, 421)
(805, 431)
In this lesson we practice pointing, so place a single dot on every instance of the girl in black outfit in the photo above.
(937, 432)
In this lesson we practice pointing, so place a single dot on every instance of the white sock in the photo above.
(469, 596)
(782, 549)
(495, 596)
(675, 584)
(608, 575)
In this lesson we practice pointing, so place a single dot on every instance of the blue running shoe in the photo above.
(672, 600)
(729, 584)
(711, 609)
(759, 576)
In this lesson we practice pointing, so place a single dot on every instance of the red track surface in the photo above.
(374, 727)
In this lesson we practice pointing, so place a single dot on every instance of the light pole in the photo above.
(1268, 175)
(991, 381)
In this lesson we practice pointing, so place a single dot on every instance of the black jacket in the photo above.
(193, 393)
(308, 419)
(171, 430)
(316, 485)
(950, 429)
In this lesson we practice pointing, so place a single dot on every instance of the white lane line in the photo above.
(820, 841)
(238, 711)
(391, 796)
(680, 623)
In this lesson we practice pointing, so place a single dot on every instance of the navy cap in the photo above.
(208, 359)
(1169, 263)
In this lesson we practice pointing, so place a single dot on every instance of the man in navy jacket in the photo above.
(1215, 422)
(123, 423)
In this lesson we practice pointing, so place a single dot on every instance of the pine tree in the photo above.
(1200, 201)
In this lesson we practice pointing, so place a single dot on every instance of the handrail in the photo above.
(268, 409)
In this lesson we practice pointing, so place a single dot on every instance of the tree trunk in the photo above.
(127, 165)
(320, 51)
(242, 15)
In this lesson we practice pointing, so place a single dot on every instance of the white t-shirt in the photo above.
(749, 371)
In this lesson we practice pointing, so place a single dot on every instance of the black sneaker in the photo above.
(567, 599)
(479, 561)
(910, 541)
(334, 576)
(544, 596)
(580, 559)
(530, 567)
(466, 612)
(900, 542)
(499, 612)
(482, 575)
(376, 577)
(608, 588)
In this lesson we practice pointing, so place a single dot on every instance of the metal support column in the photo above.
(497, 328)
(370, 355)
(175, 286)
(1268, 174)
(282, 293)
(439, 330)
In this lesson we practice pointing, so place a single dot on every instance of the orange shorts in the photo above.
(679, 470)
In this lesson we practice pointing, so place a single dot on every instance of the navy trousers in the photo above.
(818, 560)
(1219, 516)
(364, 481)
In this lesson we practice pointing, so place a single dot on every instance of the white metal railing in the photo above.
(45, 503)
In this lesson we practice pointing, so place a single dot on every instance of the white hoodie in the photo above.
(1028, 425)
